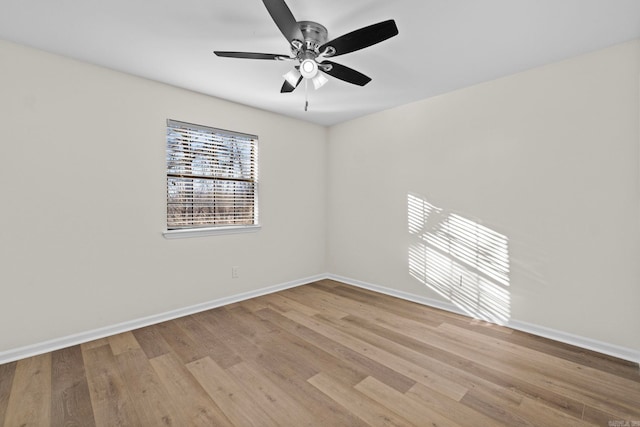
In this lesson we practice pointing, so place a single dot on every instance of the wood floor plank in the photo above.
(289, 375)
(510, 365)
(403, 308)
(181, 343)
(547, 416)
(282, 304)
(110, 399)
(151, 401)
(620, 400)
(419, 415)
(151, 341)
(70, 398)
(416, 365)
(420, 355)
(30, 400)
(221, 324)
(211, 345)
(522, 413)
(394, 379)
(602, 362)
(323, 354)
(253, 304)
(364, 408)
(326, 412)
(486, 404)
(229, 394)
(321, 304)
(299, 358)
(398, 364)
(95, 343)
(425, 343)
(270, 337)
(121, 343)
(362, 309)
(328, 283)
(270, 397)
(194, 405)
(553, 385)
(601, 418)
(256, 328)
(461, 414)
(616, 386)
(7, 372)
(568, 352)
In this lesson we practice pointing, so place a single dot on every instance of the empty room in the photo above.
(305, 213)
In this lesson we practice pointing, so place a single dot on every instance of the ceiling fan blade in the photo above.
(287, 88)
(284, 19)
(251, 55)
(364, 37)
(346, 74)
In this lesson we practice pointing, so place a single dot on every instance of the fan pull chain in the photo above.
(306, 94)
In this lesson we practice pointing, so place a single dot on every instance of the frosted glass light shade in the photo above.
(292, 77)
(319, 80)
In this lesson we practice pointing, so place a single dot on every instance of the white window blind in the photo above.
(212, 177)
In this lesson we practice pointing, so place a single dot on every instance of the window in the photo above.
(212, 179)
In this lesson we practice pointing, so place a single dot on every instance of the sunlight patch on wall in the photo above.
(461, 260)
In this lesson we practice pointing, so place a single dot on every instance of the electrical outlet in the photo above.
(234, 272)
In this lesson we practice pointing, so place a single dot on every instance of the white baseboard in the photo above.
(82, 337)
(579, 341)
(564, 337)
(70, 340)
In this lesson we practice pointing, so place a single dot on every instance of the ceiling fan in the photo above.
(311, 48)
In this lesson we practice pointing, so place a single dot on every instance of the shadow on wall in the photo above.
(461, 260)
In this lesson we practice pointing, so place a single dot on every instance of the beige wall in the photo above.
(547, 159)
(83, 200)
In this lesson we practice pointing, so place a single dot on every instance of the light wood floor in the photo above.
(324, 354)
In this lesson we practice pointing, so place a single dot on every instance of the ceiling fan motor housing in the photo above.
(315, 35)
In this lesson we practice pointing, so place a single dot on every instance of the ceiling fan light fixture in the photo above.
(318, 81)
(292, 77)
(308, 43)
(308, 68)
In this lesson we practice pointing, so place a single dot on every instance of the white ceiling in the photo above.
(443, 45)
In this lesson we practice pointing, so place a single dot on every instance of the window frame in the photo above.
(211, 229)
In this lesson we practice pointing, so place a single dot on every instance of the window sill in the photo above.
(202, 232)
